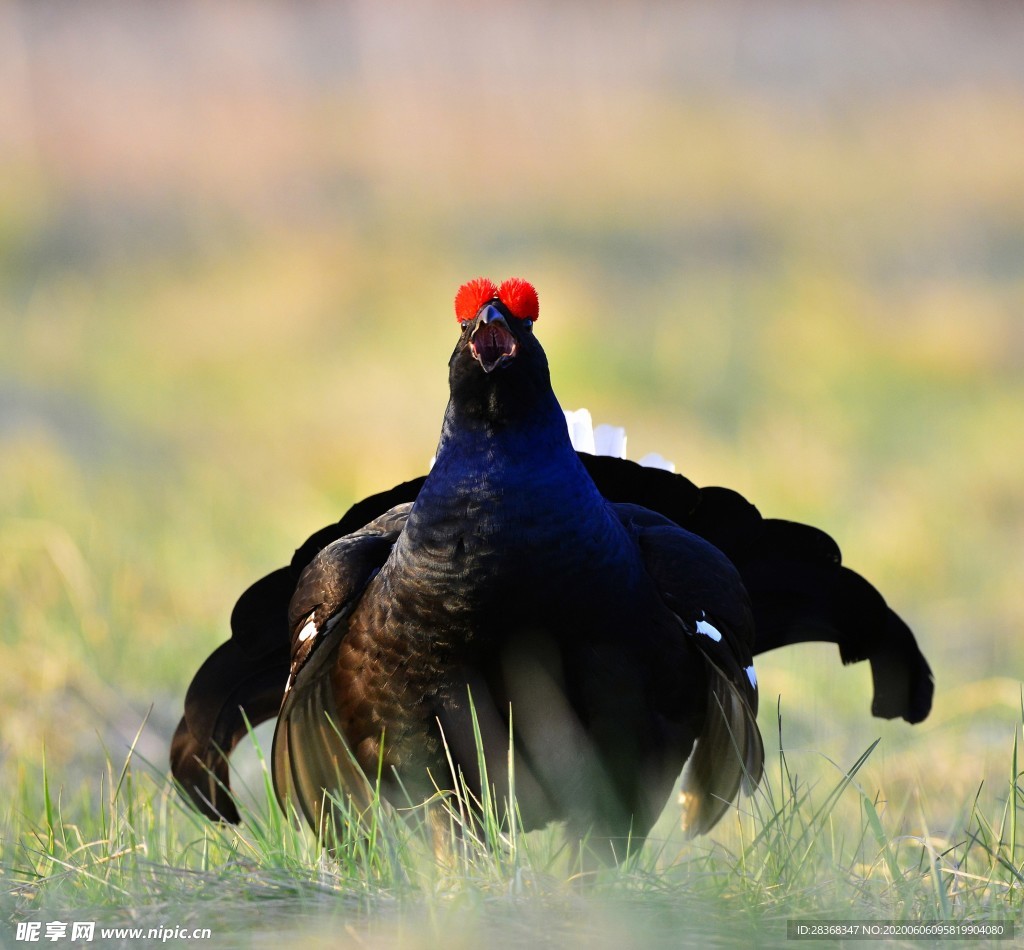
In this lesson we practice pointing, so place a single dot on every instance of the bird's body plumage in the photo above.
(581, 608)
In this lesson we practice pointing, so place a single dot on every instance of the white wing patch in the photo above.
(751, 675)
(308, 631)
(705, 628)
(605, 439)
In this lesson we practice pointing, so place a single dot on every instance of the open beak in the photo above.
(491, 342)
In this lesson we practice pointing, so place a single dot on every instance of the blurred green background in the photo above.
(781, 243)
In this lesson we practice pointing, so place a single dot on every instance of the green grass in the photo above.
(127, 851)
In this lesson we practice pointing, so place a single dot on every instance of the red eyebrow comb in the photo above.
(519, 297)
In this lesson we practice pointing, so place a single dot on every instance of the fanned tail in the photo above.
(799, 590)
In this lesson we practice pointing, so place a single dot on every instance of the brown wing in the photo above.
(704, 592)
(310, 754)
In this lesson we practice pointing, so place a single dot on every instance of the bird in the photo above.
(579, 623)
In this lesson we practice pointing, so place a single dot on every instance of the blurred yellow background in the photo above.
(781, 243)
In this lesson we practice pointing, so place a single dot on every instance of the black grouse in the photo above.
(603, 614)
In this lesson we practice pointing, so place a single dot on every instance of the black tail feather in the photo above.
(800, 592)
(903, 681)
(243, 678)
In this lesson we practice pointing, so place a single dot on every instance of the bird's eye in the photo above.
(526, 324)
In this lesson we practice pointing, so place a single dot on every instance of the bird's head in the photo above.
(495, 320)
(498, 362)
